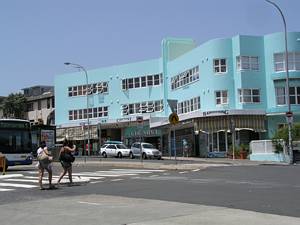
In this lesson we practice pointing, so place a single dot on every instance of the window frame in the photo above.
(219, 66)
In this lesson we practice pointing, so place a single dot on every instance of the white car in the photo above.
(114, 150)
(148, 151)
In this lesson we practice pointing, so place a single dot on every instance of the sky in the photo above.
(38, 36)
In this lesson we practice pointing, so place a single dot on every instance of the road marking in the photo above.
(10, 176)
(17, 185)
(154, 175)
(96, 182)
(90, 203)
(114, 180)
(6, 189)
(23, 180)
(96, 175)
(196, 170)
(183, 172)
(137, 170)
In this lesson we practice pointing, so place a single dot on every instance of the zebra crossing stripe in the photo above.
(96, 175)
(114, 180)
(6, 189)
(10, 176)
(138, 171)
(17, 185)
(23, 180)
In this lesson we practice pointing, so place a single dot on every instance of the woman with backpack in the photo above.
(66, 158)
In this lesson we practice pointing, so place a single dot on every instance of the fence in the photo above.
(264, 150)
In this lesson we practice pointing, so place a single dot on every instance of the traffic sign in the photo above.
(173, 118)
(139, 119)
(289, 114)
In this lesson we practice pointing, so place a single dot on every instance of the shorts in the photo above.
(45, 165)
(65, 165)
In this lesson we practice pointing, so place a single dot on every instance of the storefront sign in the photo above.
(144, 131)
(215, 112)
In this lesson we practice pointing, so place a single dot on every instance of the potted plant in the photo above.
(244, 150)
(236, 152)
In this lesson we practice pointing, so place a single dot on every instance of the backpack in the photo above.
(66, 157)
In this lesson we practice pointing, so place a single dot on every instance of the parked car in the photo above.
(114, 150)
(148, 151)
(113, 142)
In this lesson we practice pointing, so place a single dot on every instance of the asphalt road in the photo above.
(265, 189)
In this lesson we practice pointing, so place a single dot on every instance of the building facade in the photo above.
(227, 92)
(40, 104)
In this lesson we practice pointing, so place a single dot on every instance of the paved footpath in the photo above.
(114, 210)
(181, 163)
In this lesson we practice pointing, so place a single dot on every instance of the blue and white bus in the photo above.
(15, 141)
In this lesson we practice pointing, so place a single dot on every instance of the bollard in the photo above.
(2, 163)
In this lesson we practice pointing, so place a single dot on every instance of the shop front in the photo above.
(143, 132)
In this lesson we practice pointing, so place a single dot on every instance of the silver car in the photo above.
(148, 151)
(114, 150)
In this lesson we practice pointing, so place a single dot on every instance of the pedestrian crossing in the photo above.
(29, 179)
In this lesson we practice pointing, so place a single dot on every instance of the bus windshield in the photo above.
(15, 141)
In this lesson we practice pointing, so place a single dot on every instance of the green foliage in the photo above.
(236, 150)
(14, 106)
(244, 147)
(282, 134)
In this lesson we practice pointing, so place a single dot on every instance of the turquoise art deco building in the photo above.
(221, 85)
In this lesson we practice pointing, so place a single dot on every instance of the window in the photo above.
(249, 63)
(220, 66)
(74, 91)
(53, 102)
(100, 87)
(70, 93)
(80, 90)
(150, 80)
(143, 81)
(130, 83)
(48, 103)
(137, 82)
(294, 95)
(249, 95)
(39, 104)
(142, 107)
(70, 115)
(156, 79)
(293, 58)
(79, 114)
(280, 95)
(188, 105)
(221, 97)
(185, 78)
(29, 106)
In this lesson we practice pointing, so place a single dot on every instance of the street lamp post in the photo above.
(287, 83)
(87, 98)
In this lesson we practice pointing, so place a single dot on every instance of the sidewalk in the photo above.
(181, 163)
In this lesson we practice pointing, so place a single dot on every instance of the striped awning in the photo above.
(75, 133)
(217, 123)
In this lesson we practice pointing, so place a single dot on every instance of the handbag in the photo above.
(44, 158)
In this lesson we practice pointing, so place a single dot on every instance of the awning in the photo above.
(217, 123)
(75, 133)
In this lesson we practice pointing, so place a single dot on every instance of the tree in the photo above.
(14, 106)
(283, 134)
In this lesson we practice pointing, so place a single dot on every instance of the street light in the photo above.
(87, 98)
(289, 113)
